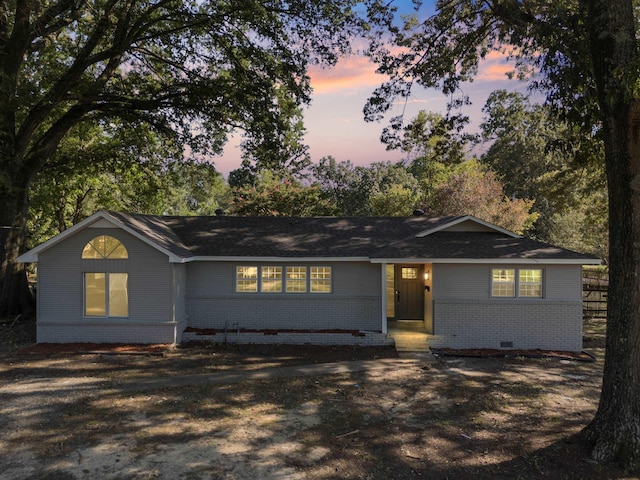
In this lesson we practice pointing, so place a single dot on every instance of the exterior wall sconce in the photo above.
(426, 275)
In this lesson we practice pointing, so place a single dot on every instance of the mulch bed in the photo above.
(491, 353)
(76, 348)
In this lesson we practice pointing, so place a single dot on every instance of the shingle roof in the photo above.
(477, 245)
(318, 237)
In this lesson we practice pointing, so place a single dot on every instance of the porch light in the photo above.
(426, 275)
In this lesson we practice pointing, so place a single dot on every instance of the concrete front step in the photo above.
(411, 343)
(412, 348)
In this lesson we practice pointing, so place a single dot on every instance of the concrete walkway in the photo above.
(236, 376)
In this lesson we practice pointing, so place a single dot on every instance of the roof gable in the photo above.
(467, 223)
(100, 219)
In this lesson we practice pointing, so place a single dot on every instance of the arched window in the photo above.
(106, 294)
(104, 247)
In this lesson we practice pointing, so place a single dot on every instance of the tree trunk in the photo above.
(615, 430)
(15, 297)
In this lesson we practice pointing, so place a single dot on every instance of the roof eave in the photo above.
(464, 219)
(231, 258)
(32, 255)
(506, 261)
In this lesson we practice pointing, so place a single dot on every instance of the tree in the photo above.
(272, 195)
(585, 56)
(540, 156)
(99, 166)
(382, 188)
(193, 71)
(430, 136)
(615, 430)
(194, 188)
(340, 184)
(473, 189)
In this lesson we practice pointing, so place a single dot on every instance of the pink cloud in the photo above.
(349, 74)
(494, 67)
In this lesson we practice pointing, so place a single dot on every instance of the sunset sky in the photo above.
(334, 121)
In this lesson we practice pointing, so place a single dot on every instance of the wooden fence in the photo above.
(595, 284)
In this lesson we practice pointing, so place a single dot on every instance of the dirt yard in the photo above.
(68, 415)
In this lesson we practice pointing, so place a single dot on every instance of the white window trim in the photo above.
(106, 293)
(541, 283)
(288, 280)
(284, 280)
(516, 283)
(237, 279)
(493, 283)
(321, 280)
(262, 278)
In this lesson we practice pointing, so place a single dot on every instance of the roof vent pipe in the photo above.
(418, 213)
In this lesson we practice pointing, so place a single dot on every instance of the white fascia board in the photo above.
(32, 255)
(173, 258)
(506, 261)
(464, 219)
(275, 259)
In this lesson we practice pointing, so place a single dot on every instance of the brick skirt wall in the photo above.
(105, 332)
(270, 312)
(508, 324)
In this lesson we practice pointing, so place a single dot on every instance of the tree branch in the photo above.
(39, 113)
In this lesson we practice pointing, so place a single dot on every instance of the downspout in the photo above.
(383, 290)
(172, 310)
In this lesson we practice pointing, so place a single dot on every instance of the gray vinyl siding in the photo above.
(563, 282)
(60, 293)
(466, 316)
(473, 281)
(469, 281)
(353, 304)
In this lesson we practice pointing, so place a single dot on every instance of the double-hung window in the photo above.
(503, 282)
(320, 280)
(246, 279)
(530, 283)
(512, 282)
(271, 281)
(278, 279)
(296, 280)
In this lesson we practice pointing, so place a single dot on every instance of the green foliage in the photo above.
(542, 157)
(272, 195)
(174, 64)
(429, 136)
(383, 188)
(103, 166)
(473, 189)
(341, 184)
(395, 201)
(98, 166)
(194, 188)
(444, 51)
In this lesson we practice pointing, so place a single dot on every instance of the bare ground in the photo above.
(65, 416)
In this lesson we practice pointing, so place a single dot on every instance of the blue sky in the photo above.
(334, 121)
